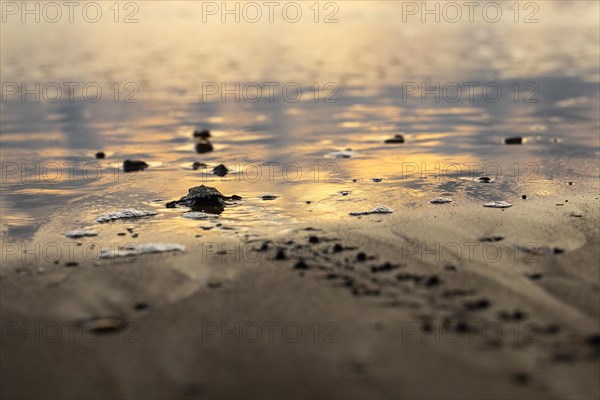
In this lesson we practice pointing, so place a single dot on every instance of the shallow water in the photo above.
(366, 63)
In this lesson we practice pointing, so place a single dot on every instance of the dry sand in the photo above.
(444, 319)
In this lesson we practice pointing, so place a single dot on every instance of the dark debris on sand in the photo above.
(203, 196)
(395, 139)
(513, 140)
(134, 165)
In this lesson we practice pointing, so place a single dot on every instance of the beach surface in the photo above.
(435, 311)
(348, 158)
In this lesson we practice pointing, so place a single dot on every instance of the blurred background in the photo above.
(155, 60)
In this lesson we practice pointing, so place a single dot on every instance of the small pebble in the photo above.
(593, 340)
(513, 140)
(535, 276)
(280, 255)
(204, 147)
(433, 281)
(220, 170)
(395, 139)
(202, 133)
(476, 305)
(134, 165)
(337, 248)
(140, 306)
(100, 155)
(301, 265)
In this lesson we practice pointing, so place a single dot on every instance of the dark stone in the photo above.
(558, 250)
(202, 133)
(395, 139)
(202, 197)
(409, 277)
(337, 248)
(361, 257)
(433, 281)
(100, 155)
(204, 147)
(140, 306)
(280, 255)
(491, 239)
(513, 140)
(308, 201)
(384, 268)
(593, 340)
(301, 265)
(220, 170)
(477, 305)
(551, 329)
(485, 179)
(313, 239)
(134, 165)
(71, 264)
(535, 276)
(524, 197)
(515, 315)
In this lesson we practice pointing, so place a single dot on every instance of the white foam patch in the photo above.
(498, 204)
(376, 210)
(81, 233)
(198, 215)
(125, 213)
(144, 248)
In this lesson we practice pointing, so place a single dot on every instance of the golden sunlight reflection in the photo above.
(363, 63)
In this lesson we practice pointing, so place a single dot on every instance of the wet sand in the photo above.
(422, 317)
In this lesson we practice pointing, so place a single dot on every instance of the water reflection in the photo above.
(281, 146)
